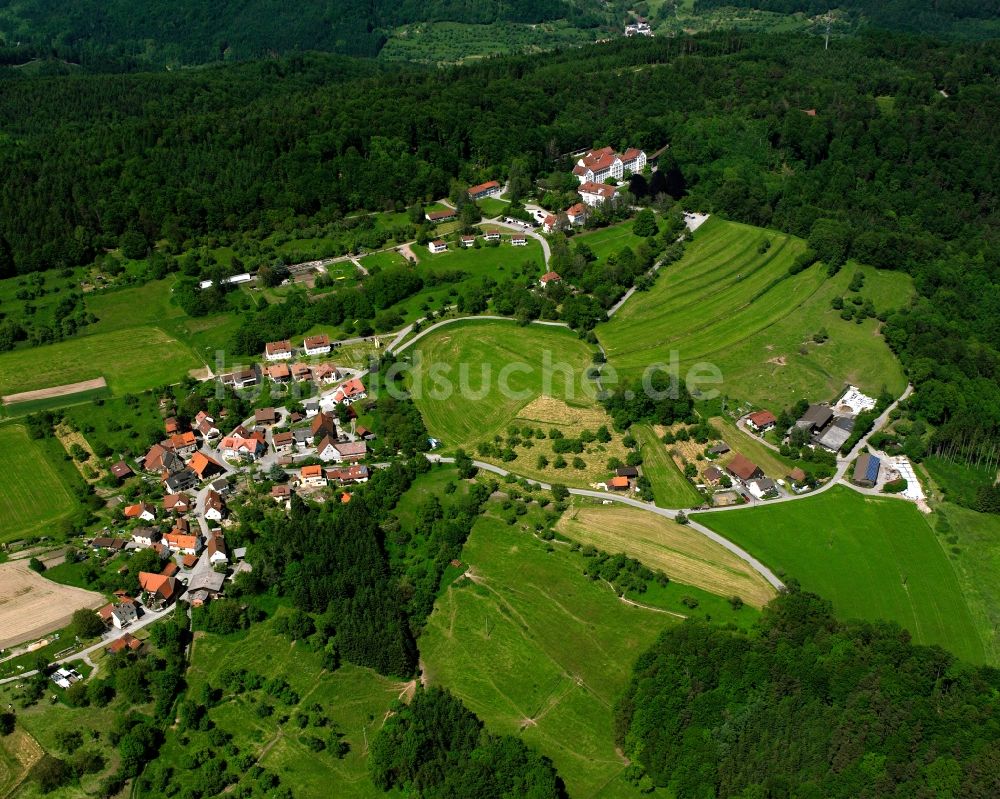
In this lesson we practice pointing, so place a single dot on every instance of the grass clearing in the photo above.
(383, 259)
(130, 360)
(491, 207)
(729, 304)
(477, 358)
(872, 558)
(535, 648)
(958, 482)
(670, 488)
(35, 495)
(660, 543)
(972, 541)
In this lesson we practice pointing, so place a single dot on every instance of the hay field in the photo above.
(31, 606)
(660, 543)
(35, 496)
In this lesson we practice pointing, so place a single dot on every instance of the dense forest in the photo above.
(951, 17)
(122, 34)
(435, 748)
(808, 706)
(883, 149)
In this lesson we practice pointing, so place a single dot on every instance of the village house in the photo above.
(866, 470)
(205, 586)
(718, 449)
(160, 590)
(761, 487)
(181, 481)
(352, 391)
(468, 241)
(281, 493)
(303, 439)
(220, 485)
(550, 223)
(140, 510)
(146, 536)
(125, 643)
(364, 433)
(631, 472)
(122, 471)
(183, 444)
(324, 424)
(317, 345)
(519, 240)
(205, 425)
(491, 235)
(441, 216)
(325, 373)
(577, 214)
(640, 28)
(312, 476)
(712, 476)
(119, 614)
(619, 484)
(301, 372)
(240, 378)
(205, 467)
(171, 425)
(241, 445)
(744, 469)
(489, 189)
(549, 277)
(311, 407)
(326, 450)
(185, 543)
(279, 373)
(595, 194)
(104, 542)
(761, 421)
(633, 161)
(265, 416)
(278, 350)
(283, 441)
(161, 458)
(836, 434)
(437, 247)
(177, 503)
(349, 451)
(214, 508)
(352, 474)
(217, 551)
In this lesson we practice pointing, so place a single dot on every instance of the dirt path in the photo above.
(55, 391)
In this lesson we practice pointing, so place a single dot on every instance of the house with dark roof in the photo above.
(324, 424)
(866, 470)
(712, 475)
(184, 480)
(630, 472)
(816, 418)
(265, 416)
(122, 471)
(718, 449)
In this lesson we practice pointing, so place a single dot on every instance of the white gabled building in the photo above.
(317, 345)
(596, 166)
(437, 247)
(595, 194)
(278, 350)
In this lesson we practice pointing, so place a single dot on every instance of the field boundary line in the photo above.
(55, 391)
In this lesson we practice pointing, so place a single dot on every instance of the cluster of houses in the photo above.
(827, 426)
(638, 28)
(278, 369)
(490, 235)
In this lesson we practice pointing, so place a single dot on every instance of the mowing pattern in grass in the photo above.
(130, 360)
(873, 558)
(670, 488)
(464, 417)
(659, 543)
(532, 646)
(34, 495)
(728, 304)
(354, 700)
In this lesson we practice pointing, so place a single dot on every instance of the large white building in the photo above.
(595, 194)
(596, 166)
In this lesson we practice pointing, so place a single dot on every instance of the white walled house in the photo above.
(317, 345)
(595, 194)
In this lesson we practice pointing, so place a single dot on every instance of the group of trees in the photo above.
(436, 748)
(809, 706)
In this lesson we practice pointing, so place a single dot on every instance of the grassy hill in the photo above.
(731, 303)
(534, 647)
(872, 558)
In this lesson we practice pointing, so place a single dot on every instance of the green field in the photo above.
(492, 207)
(670, 488)
(383, 259)
(610, 240)
(130, 360)
(728, 305)
(534, 647)
(972, 541)
(462, 418)
(957, 481)
(496, 262)
(35, 495)
(873, 558)
(354, 700)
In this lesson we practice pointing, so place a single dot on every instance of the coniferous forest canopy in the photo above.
(898, 167)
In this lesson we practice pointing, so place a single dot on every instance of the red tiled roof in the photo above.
(549, 277)
(489, 184)
(742, 467)
(762, 418)
(321, 340)
(201, 463)
(600, 189)
(273, 347)
(311, 471)
(618, 482)
(631, 154)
